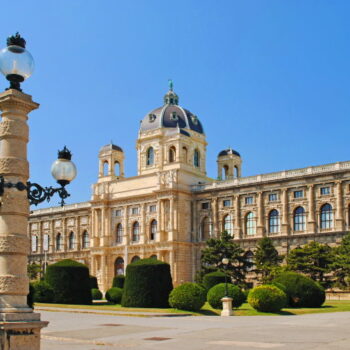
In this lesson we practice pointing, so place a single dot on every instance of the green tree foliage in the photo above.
(267, 298)
(313, 259)
(34, 271)
(188, 296)
(213, 278)
(70, 282)
(118, 281)
(341, 262)
(266, 259)
(216, 293)
(225, 247)
(147, 284)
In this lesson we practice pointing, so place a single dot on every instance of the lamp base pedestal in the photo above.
(226, 306)
(20, 331)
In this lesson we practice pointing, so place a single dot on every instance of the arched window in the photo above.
(236, 174)
(224, 172)
(250, 224)
(326, 216)
(119, 266)
(227, 224)
(185, 154)
(299, 219)
(105, 168)
(172, 154)
(86, 240)
(206, 229)
(274, 221)
(135, 258)
(150, 156)
(119, 234)
(116, 168)
(196, 158)
(153, 229)
(153, 257)
(249, 258)
(135, 232)
(71, 241)
(58, 242)
(34, 243)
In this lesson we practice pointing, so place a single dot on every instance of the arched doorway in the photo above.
(119, 266)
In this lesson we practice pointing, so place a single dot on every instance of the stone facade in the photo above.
(171, 207)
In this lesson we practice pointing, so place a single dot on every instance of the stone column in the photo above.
(311, 222)
(214, 209)
(260, 226)
(238, 230)
(19, 325)
(339, 214)
(285, 219)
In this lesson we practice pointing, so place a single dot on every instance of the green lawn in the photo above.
(244, 310)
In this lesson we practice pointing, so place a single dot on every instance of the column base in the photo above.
(20, 331)
(226, 306)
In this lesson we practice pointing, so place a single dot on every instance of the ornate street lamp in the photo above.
(16, 63)
(225, 262)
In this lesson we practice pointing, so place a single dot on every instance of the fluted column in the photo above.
(14, 213)
(311, 222)
(339, 214)
(260, 229)
(285, 215)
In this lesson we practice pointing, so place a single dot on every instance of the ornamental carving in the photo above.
(14, 166)
(14, 244)
(14, 285)
(14, 128)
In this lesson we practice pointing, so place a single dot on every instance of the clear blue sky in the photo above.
(268, 78)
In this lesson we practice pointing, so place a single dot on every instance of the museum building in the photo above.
(171, 207)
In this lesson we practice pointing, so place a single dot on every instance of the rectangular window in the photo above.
(205, 205)
(118, 212)
(299, 194)
(273, 197)
(226, 202)
(325, 191)
(249, 200)
(134, 211)
(152, 208)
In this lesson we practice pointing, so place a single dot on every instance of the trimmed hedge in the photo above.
(43, 293)
(118, 281)
(188, 296)
(96, 294)
(267, 298)
(301, 291)
(217, 292)
(70, 282)
(213, 278)
(147, 284)
(93, 282)
(30, 301)
(114, 295)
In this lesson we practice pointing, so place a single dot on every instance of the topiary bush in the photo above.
(70, 282)
(267, 298)
(114, 295)
(30, 301)
(280, 286)
(43, 293)
(147, 284)
(213, 278)
(118, 281)
(217, 292)
(301, 290)
(96, 294)
(188, 296)
(93, 282)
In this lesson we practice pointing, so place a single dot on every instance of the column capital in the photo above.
(10, 99)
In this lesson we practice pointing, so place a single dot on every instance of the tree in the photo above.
(33, 271)
(314, 260)
(266, 259)
(225, 247)
(341, 261)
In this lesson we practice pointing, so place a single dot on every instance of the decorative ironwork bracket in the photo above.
(36, 193)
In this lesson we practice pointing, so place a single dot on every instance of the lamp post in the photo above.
(226, 300)
(19, 326)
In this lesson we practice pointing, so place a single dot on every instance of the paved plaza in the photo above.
(105, 331)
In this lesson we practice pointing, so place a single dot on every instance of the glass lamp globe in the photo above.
(63, 169)
(16, 60)
(225, 261)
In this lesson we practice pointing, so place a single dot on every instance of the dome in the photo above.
(110, 147)
(171, 115)
(228, 151)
